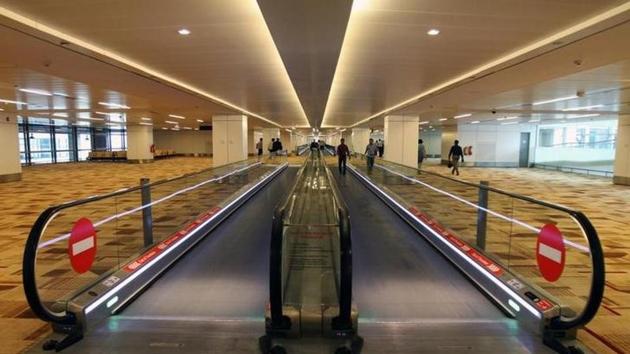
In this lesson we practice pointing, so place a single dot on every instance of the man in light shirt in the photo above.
(371, 150)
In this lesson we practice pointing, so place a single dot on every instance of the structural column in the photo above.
(229, 139)
(10, 167)
(360, 139)
(268, 134)
(139, 142)
(401, 140)
(622, 153)
(285, 139)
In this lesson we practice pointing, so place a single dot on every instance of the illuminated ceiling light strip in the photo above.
(559, 99)
(619, 10)
(11, 101)
(35, 91)
(296, 98)
(114, 105)
(584, 116)
(200, 121)
(463, 115)
(145, 123)
(475, 122)
(443, 119)
(78, 42)
(176, 116)
(170, 122)
(146, 118)
(423, 123)
(583, 108)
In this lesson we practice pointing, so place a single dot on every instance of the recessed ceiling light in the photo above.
(199, 120)
(584, 116)
(433, 32)
(463, 115)
(183, 31)
(474, 122)
(37, 92)
(425, 122)
(582, 108)
(443, 119)
(144, 123)
(554, 100)
(145, 118)
(10, 101)
(115, 105)
(170, 122)
(176, 116)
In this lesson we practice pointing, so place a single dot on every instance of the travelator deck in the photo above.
(411, 298)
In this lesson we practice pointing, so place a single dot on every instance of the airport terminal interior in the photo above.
(315, 176)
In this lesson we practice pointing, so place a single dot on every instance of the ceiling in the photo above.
(314, 63)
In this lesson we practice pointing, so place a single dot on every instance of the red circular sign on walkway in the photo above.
(82, 245)
(550, 252)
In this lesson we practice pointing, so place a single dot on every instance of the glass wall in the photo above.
(51, 141)
(585, 145)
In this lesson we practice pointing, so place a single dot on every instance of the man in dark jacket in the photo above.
(454, 155)
(343, 153)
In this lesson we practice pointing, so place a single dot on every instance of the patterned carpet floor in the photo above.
(605, 204)
(608, 207)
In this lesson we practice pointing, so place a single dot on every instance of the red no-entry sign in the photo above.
(550, 252)
(82, 245)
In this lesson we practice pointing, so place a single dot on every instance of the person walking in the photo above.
(270, 148)
(314, 149)
(343, 153)
(454, 155)
(259, 147)
(371, 150)
(380, 144)
(277, 147)
(422, 153)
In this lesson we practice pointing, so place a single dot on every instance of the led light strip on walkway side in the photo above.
(491, 212)
(495, 280)
(137, 273)
(174, 194)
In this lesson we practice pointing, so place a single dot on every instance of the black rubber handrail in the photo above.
(278, 320)
(344, 319)
(598, 279)
(32, 242)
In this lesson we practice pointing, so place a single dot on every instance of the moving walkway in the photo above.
(483, 290)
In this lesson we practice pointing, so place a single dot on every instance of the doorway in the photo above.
(523, 160)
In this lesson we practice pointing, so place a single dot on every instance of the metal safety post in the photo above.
(482, 215)
(147, 215)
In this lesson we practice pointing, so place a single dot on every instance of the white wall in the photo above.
(622, 153)
(494, 145)
(432, 141)
(552, 154)
(184, 141)
(9, 148)
(229, 136)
